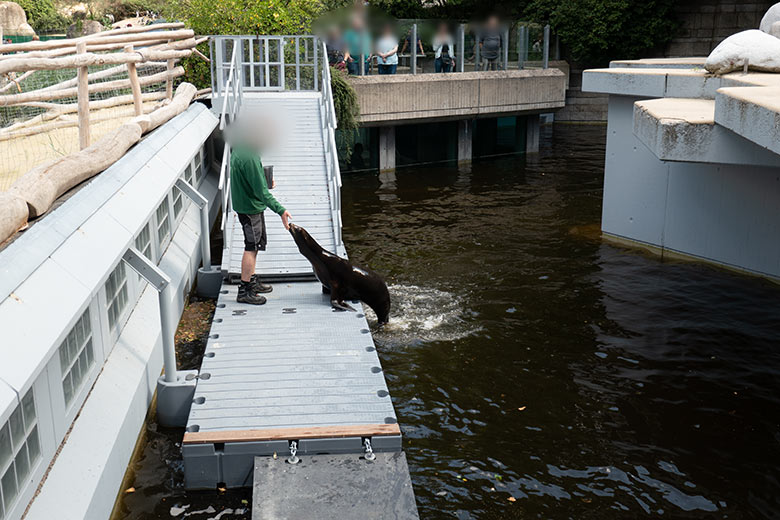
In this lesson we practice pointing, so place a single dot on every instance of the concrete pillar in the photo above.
(386, 148)
(532, 133)
(465, 141)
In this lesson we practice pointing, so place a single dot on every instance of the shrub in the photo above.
(345, 103)
(43, 16)
(596, 31)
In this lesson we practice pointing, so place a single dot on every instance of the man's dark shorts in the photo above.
(253, 226)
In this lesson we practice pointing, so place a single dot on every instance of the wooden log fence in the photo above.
(134, 48)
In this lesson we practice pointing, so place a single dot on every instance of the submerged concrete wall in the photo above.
(398, 99)
(692, 162)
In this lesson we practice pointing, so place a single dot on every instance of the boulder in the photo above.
(87, 27)
(761, 50)
(13, 20)
(771, 17)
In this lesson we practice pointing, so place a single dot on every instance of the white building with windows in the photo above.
(81, 343)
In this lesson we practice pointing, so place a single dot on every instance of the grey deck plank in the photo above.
(274, 369)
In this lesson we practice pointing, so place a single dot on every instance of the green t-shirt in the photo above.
(248, 187)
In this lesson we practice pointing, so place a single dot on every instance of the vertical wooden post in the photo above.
(132, 75)
(83, 99)
(169, 81)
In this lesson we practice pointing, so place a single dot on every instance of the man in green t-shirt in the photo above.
(250, 196)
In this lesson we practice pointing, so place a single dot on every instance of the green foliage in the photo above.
(121, 9)
(347, 108)
(196, 70)
(596, 31)
(42, 15)
(245, 16)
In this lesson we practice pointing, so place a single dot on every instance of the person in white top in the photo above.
(387, 51)
(443, 46)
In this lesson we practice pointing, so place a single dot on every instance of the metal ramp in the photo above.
(294, 376)
(304, 187)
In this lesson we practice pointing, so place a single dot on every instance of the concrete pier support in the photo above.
(465, 141)
(387, 149)
(532, 133)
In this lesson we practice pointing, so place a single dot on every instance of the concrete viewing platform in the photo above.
(398, 99)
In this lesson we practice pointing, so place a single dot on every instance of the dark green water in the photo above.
(540, 373)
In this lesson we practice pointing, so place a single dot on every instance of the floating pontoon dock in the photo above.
(294, 380)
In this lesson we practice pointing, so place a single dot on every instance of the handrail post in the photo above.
(175, 388)
(316, 64)
(505, 53)
(521, 46)
(209, 278)
(546, 50)
(413, 50)
(461, 47)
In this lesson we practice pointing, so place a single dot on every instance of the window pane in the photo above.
(34, 445)
(22, 464)
(17, 427)
(6, 451)
(8, 482)
(28, 404)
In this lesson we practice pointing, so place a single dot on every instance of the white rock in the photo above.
(761, 50)
(775, 30)
(772, 16)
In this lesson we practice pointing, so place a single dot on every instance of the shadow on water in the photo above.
(538, 372)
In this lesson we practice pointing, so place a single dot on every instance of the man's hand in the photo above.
(286, 219)
(273, 184)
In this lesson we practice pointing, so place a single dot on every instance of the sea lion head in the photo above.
(304, 241)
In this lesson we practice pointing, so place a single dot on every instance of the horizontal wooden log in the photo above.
(181, 100)
(42, 185)
(98, 46)
(66, 121)
(14, 84)
(114, 36)
(13, 214)
(60, 108)
(91, 59)
(27, 97)
(107, 73)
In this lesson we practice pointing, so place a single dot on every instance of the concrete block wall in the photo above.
(705, 23)
(582, 107)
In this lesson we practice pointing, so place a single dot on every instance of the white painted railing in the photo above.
(329, 125)
(233, 93)
(268, 63)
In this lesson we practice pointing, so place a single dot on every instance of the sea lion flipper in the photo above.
(341, 305)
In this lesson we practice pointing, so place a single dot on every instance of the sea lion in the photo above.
(343, 280)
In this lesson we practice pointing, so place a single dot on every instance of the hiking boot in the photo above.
(247, 294)
(260, 287)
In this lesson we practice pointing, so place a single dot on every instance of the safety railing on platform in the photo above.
(329, 125)
(233, 94)
(267, 63)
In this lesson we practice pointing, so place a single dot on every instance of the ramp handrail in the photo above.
(231, 105)
(329, 125)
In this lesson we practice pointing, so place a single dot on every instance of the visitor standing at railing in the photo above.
(490, 42)
(250, 197)
(358, 43)
(443, 45)
(387, 51)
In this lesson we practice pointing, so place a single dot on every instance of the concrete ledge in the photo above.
(752, 112)
(662, 63)
(434, 97)
(684, 130)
